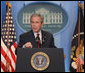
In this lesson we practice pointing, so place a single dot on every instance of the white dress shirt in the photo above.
(40, 35)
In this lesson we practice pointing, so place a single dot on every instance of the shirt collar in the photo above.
(35, 33)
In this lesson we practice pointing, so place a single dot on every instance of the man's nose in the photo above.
(34, 24)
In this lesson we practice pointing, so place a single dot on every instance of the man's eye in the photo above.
(32, 22)
(37, 22)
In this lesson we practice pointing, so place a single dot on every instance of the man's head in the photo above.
(36, 22)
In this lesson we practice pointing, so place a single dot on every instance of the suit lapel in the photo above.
(33, 40)
(43, 38)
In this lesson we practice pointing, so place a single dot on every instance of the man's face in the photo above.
(36, 24)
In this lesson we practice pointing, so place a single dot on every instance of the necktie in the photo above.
(38, 40)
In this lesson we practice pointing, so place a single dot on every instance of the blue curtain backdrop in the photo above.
(64, 37)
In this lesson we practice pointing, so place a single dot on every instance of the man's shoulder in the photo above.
(47, 33)
(26, 34)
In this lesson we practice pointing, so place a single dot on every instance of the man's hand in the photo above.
(28, 45)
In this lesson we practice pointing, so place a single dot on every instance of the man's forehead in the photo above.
(36, 17)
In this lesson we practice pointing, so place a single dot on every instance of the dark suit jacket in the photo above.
(48, 40)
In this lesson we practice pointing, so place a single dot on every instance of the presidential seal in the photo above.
(40, 61)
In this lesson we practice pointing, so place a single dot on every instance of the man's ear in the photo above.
(42, 23)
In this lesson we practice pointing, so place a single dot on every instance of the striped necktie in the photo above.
(38, 40)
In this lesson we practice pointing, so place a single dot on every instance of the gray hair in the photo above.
(37, 15)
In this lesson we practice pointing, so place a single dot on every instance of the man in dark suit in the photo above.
(44, 40)
(28, 39)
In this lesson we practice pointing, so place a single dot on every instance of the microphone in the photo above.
(43, 39)
(37, 39)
